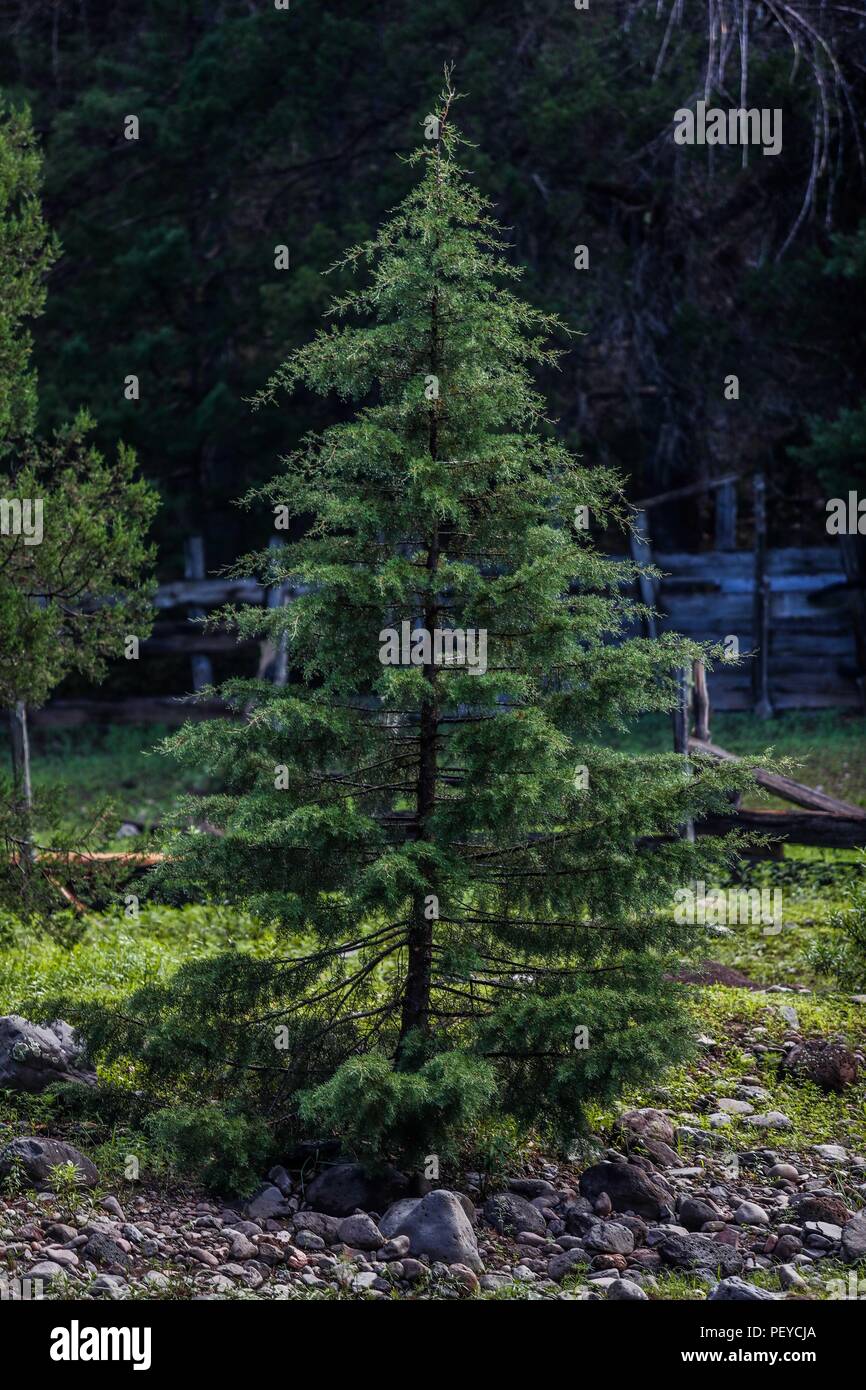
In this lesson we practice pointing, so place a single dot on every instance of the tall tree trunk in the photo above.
(419, 970)
(21, 783)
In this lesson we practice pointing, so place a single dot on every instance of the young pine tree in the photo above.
(73, 548)
(472, 889)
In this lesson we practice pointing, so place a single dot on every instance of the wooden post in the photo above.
(274, 660)
(22, 787)
(854, 561)
(761, 606)
(193, 568)
(701, 701)
(726, 516)
(640, 548)
(681, 736)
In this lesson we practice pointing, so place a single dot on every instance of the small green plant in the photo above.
(15, 1182)
(66, 1188)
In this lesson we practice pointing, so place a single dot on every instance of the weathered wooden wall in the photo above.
(812, 656)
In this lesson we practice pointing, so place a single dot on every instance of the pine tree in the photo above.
(73, 548)
(473, 889)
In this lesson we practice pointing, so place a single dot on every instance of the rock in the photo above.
(635, 1224)
(829, 1065)
(62, 1233)
(268, 1204)
(819, 1206)
(661, 1153)
(609, 1238)
(437, 1226)
(735, 1107)
(349, 1187)
(629, 1188)
(241, 1247)
(39, 1156)
(700, 1252)
(102, 1249)
(393, 1219)
(67, 1258)
(321, 1225)
(694, 1211)
(45, 1270)
(750, 1214)
(32, 1056)
(113, 1207)
(580, 1216)
(395, 1248)
(625, 1290)
(854, 1238)
(646, 1124)
(508, 1213)
(465, 1278)
(280, 1178)
(360, 1232)
(308, 1240)
(827, 1229)
(530, 1188)
(734, 1290)
(110, 1286)
(773, 1119)
(832, 1153)
(568, 1263)
(784, 1170)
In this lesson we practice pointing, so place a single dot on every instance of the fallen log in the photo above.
(797, 827)
(784, 787)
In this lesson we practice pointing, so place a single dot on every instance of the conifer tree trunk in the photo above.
(416, 997)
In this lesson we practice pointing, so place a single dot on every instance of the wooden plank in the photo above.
(193, 568)
(208, 593)
(640, 547)
(797, 827)
(784, 787)
(726, 515)
(701, 702)
(761, 606)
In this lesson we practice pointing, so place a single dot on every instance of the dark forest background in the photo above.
(261, 127)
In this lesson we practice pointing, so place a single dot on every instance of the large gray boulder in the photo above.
(438, 1227)
(38, 1156)
(700, 1252)
(349, 1187)
(509, 1213)
(628, 1187)
(33, 1055)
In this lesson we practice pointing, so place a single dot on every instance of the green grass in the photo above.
(114, 954)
